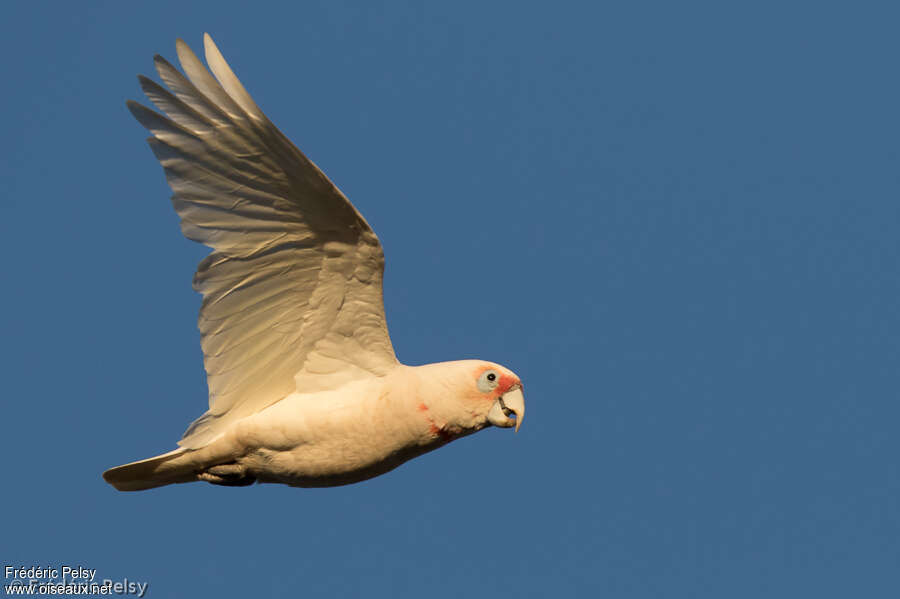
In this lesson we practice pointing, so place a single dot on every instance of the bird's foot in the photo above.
(228, 475)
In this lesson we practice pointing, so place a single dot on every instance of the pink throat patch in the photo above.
(433, 428)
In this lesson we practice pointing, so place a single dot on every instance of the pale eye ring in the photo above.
(488, 380)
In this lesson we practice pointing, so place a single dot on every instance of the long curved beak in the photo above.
(510, 403)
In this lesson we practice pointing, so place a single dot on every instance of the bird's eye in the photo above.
(487, 382)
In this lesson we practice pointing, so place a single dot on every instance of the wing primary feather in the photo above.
(175, 108)
(187, 92)
(205, 82)
(226, 77)
(163, 129)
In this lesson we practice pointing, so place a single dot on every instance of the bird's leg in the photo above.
(228, 475)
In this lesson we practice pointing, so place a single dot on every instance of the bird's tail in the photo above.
(165, 469)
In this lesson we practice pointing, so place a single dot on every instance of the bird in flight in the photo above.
(304, 386)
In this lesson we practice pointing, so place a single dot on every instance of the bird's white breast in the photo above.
(354, 432)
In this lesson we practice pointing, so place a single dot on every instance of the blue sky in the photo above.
(678, 222)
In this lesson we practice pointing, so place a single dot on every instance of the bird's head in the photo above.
(474, 394)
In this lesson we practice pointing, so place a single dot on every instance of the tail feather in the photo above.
(166, 469)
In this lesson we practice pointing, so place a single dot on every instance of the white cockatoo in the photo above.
(304, 387)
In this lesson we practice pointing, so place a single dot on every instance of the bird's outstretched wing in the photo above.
(292, 295)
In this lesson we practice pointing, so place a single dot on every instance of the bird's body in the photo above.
(304, 385)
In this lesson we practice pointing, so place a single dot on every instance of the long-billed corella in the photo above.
(304, 387)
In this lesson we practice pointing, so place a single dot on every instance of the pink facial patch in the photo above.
(505, 383)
